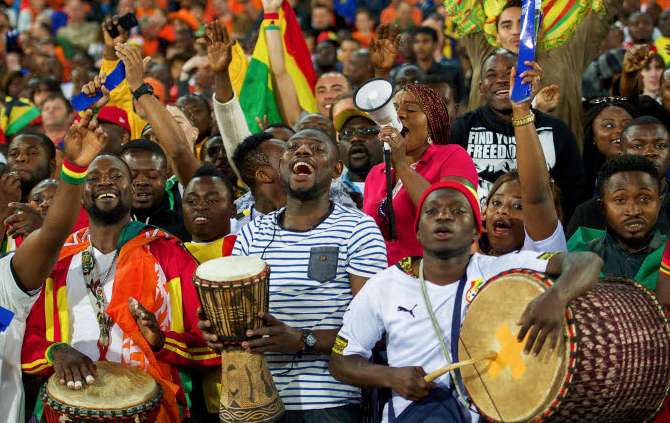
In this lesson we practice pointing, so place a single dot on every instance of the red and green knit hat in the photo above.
(464, 188)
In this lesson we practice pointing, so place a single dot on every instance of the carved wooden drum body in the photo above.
(233, 290)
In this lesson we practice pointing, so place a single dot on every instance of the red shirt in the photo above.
(437, 162)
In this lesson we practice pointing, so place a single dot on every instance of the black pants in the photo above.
(346, 414)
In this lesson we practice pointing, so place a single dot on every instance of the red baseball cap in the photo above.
(114, 115)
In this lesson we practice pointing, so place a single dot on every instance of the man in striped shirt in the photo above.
(320, 254)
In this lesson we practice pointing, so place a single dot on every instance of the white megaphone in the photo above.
(374, 97)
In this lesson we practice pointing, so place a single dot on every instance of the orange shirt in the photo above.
(388, 15)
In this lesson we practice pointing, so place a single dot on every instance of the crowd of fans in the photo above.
(581, 167)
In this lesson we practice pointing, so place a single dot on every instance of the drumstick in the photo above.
(489, 356)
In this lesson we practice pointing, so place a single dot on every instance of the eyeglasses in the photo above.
(602, 100)
(348, 133)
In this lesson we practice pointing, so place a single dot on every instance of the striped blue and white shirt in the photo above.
(310, 289)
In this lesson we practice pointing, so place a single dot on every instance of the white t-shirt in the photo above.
(19, 302)
(83, 323)
(555, 243)
(391, 304)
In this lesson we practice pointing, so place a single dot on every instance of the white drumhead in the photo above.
(226, 269)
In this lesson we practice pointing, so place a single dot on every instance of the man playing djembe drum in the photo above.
(398, 304)
(122, 292)
(24, 272)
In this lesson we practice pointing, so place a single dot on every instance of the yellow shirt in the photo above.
(661, 44)
(123, 98)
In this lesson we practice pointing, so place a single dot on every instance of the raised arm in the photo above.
(384, 49)
(288, 96)
(633, 62)
(168, 132)
(35, 258)
(227, 110)
(544, 316)
(539, 213)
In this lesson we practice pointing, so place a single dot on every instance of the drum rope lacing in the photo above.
(445, 351)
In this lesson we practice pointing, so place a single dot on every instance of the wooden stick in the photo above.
(489, 356)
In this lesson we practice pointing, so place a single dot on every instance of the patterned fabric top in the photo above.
(560, 18)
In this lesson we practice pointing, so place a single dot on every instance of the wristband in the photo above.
(271, 15)
(524, 120)
(49, 352)
(272, 27)
(73, 174)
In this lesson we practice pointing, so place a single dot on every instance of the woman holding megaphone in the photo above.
(418, 152)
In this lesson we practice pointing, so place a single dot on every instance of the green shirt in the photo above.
(642, 266)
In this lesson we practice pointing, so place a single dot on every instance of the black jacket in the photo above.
(170, 220)
(490, 142)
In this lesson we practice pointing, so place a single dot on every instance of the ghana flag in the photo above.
(257, 96)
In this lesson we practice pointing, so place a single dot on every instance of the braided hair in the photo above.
(434, 106)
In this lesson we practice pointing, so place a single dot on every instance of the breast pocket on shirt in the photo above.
(323, 263)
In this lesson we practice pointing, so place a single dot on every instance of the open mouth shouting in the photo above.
(502, 227)
(302, 170)
(106, 197)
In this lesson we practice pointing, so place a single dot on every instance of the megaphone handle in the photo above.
(389, 192)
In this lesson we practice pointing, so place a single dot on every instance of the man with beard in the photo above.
(124, 294)
(31, 156)
(151, 204)
(631, 245)
(30, 160)
(359, 146)
(24, 272)
(487, 134)
(392, 305)
(321, 254)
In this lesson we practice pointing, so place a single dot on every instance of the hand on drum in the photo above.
(277, 336)
(409, 382)
(205, 327)
(72, 368)
(543, 316)
(148, 324)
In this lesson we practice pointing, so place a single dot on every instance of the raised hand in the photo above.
(635, 58)
(72, 367)
(397, 143)
(23, 220)
(409, 382)
(548, 98)
(97, 86)
(84, 140)
(132, 59)
(384, 47)
(219, 47)
(532, 76)
(276, 336)
(147, 323)
(107, 25)
(271, 6)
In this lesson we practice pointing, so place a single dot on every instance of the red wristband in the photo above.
(271, 15)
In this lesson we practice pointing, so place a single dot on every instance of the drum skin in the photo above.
(120, 394)
(612, 363)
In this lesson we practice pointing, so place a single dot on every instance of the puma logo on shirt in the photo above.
(410, 311)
